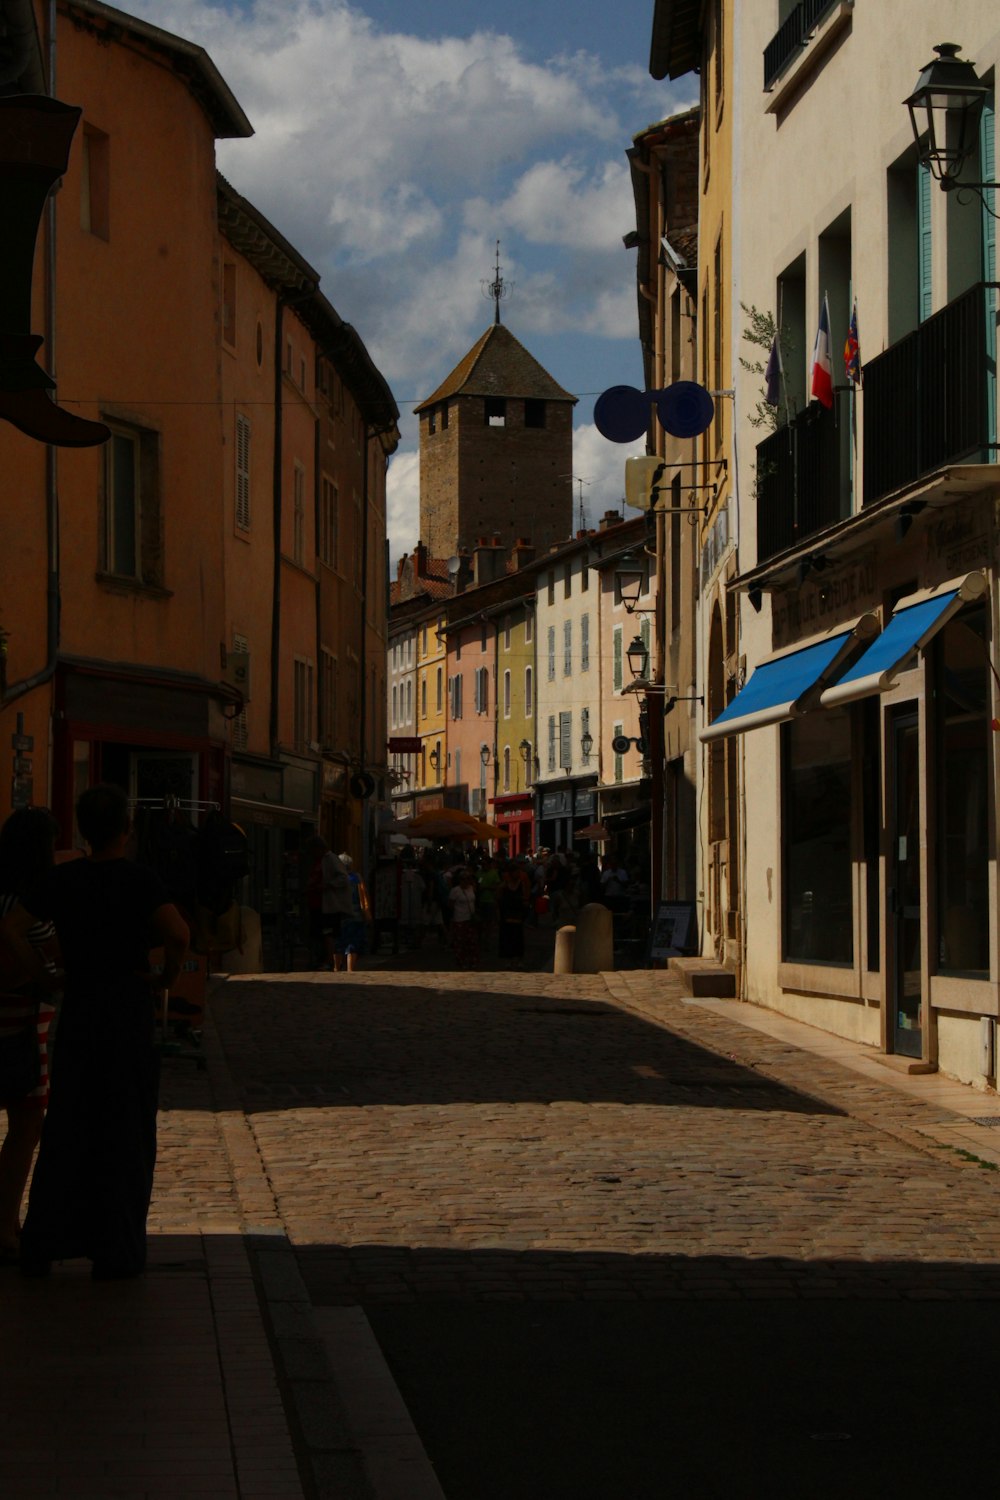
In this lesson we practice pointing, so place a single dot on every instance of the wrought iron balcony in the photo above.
(926, 399)
(802, 477)
(792, 35)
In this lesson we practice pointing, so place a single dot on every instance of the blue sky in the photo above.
(397, 142)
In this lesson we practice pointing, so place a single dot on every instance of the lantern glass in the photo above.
(944, 113)
(638, 657)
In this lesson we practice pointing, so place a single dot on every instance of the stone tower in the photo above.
(496, 451)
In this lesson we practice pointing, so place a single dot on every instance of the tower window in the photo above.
(534, 413)
(495, 411)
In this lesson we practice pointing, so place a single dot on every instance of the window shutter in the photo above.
(617, 666)
(552, 653)
(242, 472)
(567, 647)
(565, 740)
(552, 742)
(924, 242)
(585, 643)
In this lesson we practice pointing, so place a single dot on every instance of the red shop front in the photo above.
(516, 815)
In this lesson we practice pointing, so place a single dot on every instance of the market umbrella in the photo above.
(596, 832)
(453, 817)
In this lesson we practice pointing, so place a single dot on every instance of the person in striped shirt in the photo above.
(27, 839)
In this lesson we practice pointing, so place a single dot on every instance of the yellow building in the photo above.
(687, 38)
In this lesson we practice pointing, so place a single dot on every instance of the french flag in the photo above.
(821, 388)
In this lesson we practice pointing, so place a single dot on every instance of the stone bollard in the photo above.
(594, 950)
(562, 958)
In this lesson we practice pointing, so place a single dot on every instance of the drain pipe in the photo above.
(18, 690)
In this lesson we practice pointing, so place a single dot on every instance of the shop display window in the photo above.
(816, 838)
(963, 790)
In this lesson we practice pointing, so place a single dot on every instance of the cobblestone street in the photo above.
(527, 1136)
(501, 1235)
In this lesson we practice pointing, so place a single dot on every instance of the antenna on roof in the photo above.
(497, 289)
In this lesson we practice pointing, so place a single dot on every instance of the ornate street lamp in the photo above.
(586, 744)
(630, 575)
(637, 656)
(944, 115)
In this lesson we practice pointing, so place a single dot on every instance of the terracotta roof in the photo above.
(434, 582)
(499, 365)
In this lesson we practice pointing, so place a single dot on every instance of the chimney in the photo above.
(420, 561)
(485, 559)
(610, 518)
(522, 553)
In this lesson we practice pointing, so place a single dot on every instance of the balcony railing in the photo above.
(802, 478)
(926, 398)
(791, 36)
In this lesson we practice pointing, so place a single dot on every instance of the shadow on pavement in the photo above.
(641, 1378)
(292, 1044)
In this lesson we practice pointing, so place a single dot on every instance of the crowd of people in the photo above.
(481, 903)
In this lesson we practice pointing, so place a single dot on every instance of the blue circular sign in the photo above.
(685, 409)
(621, 414)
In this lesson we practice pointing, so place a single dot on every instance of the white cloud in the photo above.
(602, 465)
(403, 503)
(394, 163)
(572, 203)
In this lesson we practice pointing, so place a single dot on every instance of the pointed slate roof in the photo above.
(499, 365)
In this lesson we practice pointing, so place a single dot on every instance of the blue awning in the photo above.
(911, 627)
(781, 688)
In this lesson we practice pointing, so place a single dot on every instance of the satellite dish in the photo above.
(454, 563)
(621, 414)
(639, 476)
(685, 409)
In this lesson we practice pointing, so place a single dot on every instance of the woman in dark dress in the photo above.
(512, 909)
(94, 1174)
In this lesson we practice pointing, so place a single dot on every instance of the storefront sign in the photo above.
(405, 745)
(585, 804)
(556, 804)
(961, 541)
(674, 929)
(834, 598)
(512, 814)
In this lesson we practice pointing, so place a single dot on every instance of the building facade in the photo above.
(867, 545)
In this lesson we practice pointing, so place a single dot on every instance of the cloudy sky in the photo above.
(396, 142)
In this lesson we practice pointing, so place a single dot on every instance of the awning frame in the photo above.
(953, 594)
(852, 640)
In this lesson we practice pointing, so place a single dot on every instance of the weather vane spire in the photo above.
(497, 289)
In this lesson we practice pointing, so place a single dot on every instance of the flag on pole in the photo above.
(821, 385)
(773, 375)
(852, 350)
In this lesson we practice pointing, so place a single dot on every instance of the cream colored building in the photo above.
(868, 542)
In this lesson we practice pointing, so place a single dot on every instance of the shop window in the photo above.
(816, 853)
(963, 793)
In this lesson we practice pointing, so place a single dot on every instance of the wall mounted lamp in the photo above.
(945, 109)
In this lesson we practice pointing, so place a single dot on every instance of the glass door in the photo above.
(904, 888)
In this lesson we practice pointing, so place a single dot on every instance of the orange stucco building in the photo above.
(197, 607)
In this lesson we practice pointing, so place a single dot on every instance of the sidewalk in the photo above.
(216, 1376)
